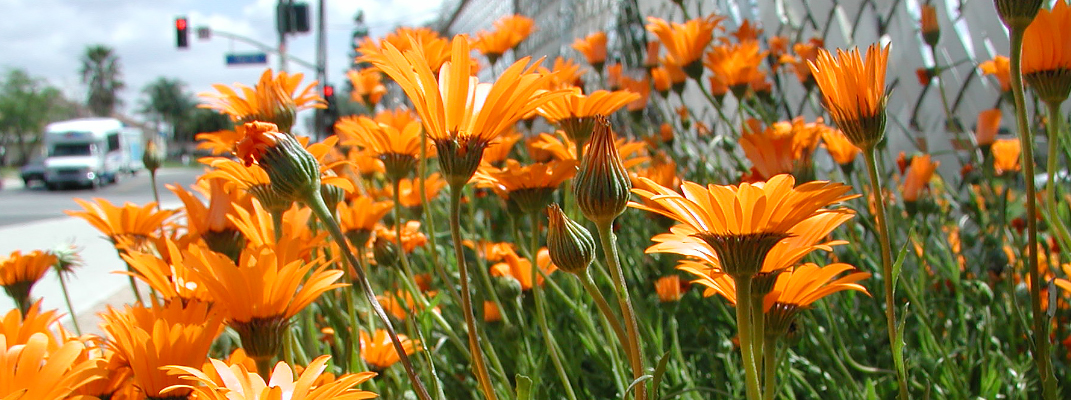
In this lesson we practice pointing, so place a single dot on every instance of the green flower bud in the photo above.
(570, 245)
(602, 185)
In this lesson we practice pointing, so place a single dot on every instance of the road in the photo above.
(33, 219)
(19, 205)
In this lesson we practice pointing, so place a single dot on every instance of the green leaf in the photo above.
(899, 264)
(659, 371)
(633, 384)
(524, 387)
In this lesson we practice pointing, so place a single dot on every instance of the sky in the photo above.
(48, 37)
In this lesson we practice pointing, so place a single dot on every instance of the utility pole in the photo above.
(283, 22)
(321, 62)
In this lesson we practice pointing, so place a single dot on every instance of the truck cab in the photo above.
(84, 152)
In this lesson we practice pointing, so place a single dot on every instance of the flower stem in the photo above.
(263, 367)
(635, 353)
(409, 277)
(887, 270)
(67, 298)
(769, 350)
(478, 362)
(1026, 138)
(316, 203)
(541, 315)
(743, 327)
(604, 307)
(1050, 188)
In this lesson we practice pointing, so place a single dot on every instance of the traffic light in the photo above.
(182, 33)
(330, 114)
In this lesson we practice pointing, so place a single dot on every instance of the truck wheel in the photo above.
(96, 183)
(50, 186)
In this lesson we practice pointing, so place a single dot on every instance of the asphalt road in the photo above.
(20, 205)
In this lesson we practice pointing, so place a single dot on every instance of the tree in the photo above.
(167, 101)
(101, 71)
(27, 104)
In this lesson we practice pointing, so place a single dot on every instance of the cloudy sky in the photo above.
(48, 37)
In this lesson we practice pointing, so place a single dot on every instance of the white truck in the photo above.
(90, 152)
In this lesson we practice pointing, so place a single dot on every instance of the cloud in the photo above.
(48, 37)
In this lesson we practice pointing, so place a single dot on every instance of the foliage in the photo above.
(103, 76)
(27, 104)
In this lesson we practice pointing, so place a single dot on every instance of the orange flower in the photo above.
(642, 88)
(378, 351)
(784, 147)
(490, 251)
(130, 222)
(999, 67)
(747, 219)
(18, 274)
(685, 43)
(839, 147)
(179, 333)
(520, 269)
(1046, 53)
(409, 190)
(530, 187)
(362, 214)
(565, 74)
(491, 313)
(593, 47)
(218, 142)
(662, 170)
(169, 275)
(435, 48)
(661, 80)
(460, 114)
(509, 32)
(854, 92)
(931, 31)
(747, 32)
(499, 149)
(736, 65)
(398, 148)
(918, 177)
(235, 382)
(411, 235)
(19, 327)
(778, 46)
(368, 86)
(988, 125)
(223, 196)
(805, 54)
(275, 99)
(614, 76)
(575, 112)
(670, 288)
(1006, 155)
(650, 59)
(36, 371)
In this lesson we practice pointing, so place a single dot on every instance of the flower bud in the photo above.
(294, 172)
(931, 30)
(1017, 14)
(152, 157)
(602, 185)
(570, 245)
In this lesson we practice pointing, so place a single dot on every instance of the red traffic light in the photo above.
(182, 35)
(329, 90)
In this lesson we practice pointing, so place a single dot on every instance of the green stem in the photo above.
(263, 367)
(769, 348)
(409, 277)
(1050, 188)
(743, 326)
(1026, 138)
(277, 221)
(155, 192)
(70, 308)
(478, 362)
(604, 307)
(541, 315)
(887, 270)
(609, 248)
(316, 203)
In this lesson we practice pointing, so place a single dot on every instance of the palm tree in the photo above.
(167, 101)
(100, 70)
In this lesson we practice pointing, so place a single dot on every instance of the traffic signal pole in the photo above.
(321, 64)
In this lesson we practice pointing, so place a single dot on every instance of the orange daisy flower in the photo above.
(18, 327)
(800, 63)
(36, 371)
(218, 142)
(1000, 68)
(529, 187)
(575, 112)
(398, 148)
(275, 99)
(359, 217)
(918, 177)
(593, 47)
(565, 74)
(460, 114)
(131, 222)
(853, 90)
(839, 147)
(18, 274)
(1005, 155)
(179, 333)
(236, 382)
(784, 147)
(167, 275)
(520, 268)
(368, 86)
(1046, 53)
(500, 149)
(670, 288)
(379, 353)
(435, 48)
(685, 43)
(742, 223)
(988, 126)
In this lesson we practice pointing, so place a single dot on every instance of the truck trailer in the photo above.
(90, 152)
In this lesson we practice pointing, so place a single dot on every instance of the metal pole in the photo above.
(321, 64)
(282, 11)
